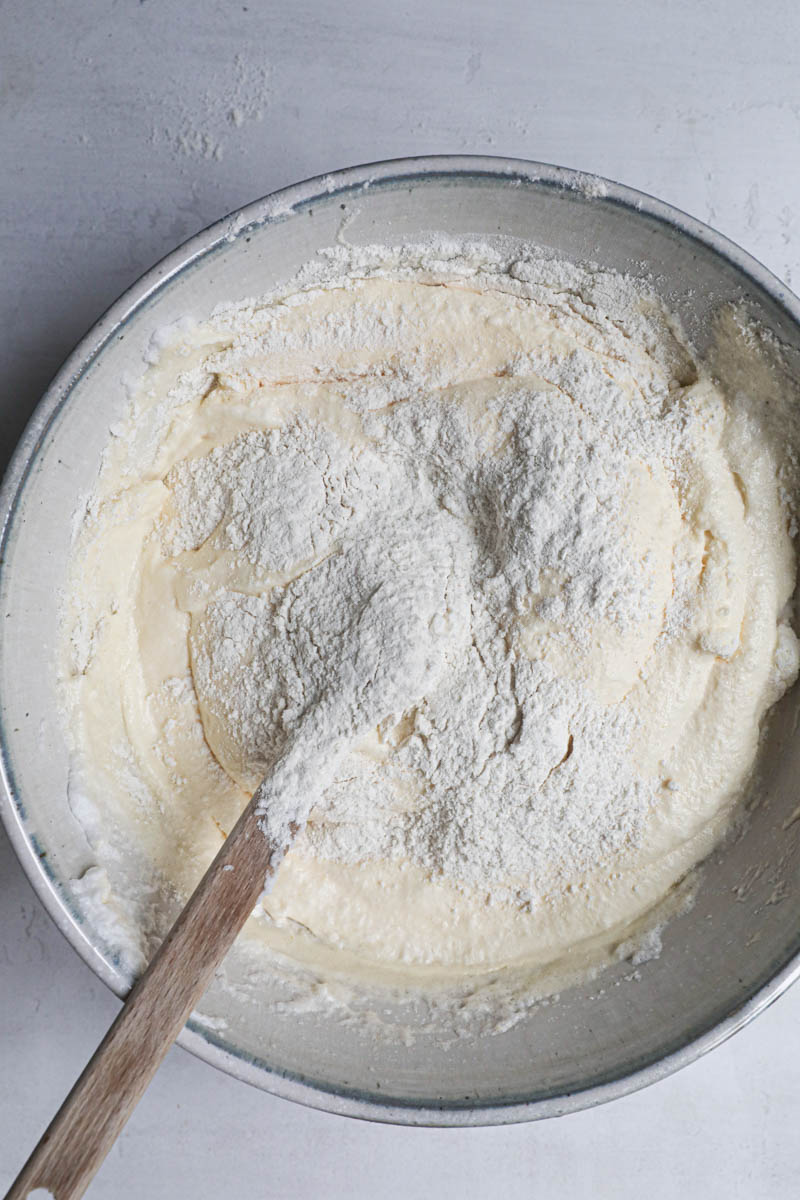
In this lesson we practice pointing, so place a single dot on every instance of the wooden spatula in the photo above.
(95, 1111)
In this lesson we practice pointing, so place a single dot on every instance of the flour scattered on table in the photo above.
(231, 98)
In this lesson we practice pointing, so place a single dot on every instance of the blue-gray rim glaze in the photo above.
(276, 207)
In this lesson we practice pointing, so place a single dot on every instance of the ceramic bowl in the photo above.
(722, 962)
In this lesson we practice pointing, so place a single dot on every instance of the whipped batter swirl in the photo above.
(496, 504)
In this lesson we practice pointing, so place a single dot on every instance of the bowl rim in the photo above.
(277, 206)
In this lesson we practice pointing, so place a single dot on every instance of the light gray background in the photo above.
(124, 128)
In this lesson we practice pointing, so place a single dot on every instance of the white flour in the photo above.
(401, 561)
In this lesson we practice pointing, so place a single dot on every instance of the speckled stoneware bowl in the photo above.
(722, 963)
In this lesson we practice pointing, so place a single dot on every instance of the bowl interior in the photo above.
(597, 1039)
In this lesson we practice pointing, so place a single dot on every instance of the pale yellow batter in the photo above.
(687, 674)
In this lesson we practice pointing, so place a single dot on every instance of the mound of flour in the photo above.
(411, 554)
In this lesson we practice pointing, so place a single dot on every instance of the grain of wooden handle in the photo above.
(93, 1114)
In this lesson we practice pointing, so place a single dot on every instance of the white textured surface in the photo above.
(125, 128)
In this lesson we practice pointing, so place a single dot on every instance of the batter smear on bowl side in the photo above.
(519, 466)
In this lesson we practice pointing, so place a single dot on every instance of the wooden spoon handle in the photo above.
(95, 1111)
